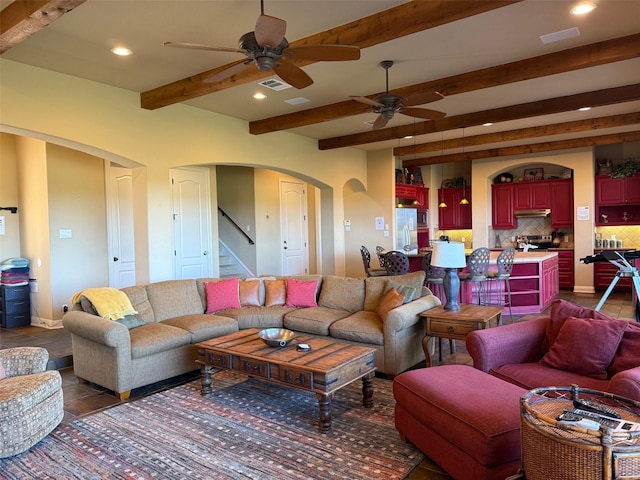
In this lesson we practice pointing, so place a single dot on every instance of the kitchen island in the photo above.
(534, 282)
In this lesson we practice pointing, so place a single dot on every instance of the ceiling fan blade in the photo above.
(380, 122)
(292, 74)
(197, 46)
(367, 100)
(227, 72)
(425, 113)
(421, 98)
(325, 53)
(270, 30)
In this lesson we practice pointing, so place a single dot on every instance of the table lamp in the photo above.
(450, 256)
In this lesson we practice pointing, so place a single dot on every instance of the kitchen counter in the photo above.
(526, 257)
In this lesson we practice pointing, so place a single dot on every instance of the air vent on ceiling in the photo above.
(297, 101)
(274, 84)
(561, 35)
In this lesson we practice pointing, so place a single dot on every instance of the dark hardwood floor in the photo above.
(85, 398)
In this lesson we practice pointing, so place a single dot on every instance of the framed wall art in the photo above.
(533, 174)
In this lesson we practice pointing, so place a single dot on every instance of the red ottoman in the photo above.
(465, 420)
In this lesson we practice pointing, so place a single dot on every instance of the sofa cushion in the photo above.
(23, 392)
(257, 317)
(628, 354)
(342, 293)
(364, 327)
(301, 293)
(222, 294)
(374, 286)
(275, 293)
(534, 375)
(140, 301)
(202, 326)
(315, 320)
(560, 311)
(391, 300)
(249, 291)
(157, 337)
(174, 298)
(585, 346)
(408, 293)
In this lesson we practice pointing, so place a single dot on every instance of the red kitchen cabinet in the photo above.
(454, 216)
(414, 192)
(618, 199)
(566, 278)
(502, 216)
(530, 195)
(561, 192)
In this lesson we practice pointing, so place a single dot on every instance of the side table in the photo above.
(455, 325)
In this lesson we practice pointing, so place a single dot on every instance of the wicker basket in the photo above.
(551, 451)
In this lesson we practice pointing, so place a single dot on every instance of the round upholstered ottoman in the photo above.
(465, 420)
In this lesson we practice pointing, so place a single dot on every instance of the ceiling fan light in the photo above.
(121, 51)
(583, 8)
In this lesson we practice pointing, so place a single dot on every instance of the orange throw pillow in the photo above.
(250, 293)
(391, 300)
(275, 293)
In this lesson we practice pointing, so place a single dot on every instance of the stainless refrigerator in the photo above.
(406, 229)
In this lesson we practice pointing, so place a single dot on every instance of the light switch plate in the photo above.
(65, 233)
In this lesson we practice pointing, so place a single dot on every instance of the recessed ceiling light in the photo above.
(259, 96)
(408, 136)
(583, 7)
(121, 51)
(584, 109)
(488, 124)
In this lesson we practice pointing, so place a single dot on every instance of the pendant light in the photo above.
(442, 203)
(464, 200)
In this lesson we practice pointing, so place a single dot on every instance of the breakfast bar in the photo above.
(534, 282)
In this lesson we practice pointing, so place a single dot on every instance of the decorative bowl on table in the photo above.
(276, 337)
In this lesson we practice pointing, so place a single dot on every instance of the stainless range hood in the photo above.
(536, 212)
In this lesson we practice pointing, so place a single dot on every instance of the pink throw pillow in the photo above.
(628, 354)
(222, 294)
(300, 293)
(560, 311)
(585, 346)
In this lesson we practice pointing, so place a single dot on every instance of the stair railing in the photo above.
(224, 214)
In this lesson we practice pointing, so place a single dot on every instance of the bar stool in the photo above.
(396, 263)
(366, 260)
(501, 279)
(478, 271)
(380, 252)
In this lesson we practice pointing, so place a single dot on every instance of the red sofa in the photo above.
(573, 345)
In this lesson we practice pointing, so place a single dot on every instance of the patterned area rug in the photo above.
(245, 429)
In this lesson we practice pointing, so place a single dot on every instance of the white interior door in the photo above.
(122, 264)
(191, 223)
(293, 214)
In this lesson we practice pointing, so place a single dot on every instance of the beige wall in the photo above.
(45, 108)
(10, 241)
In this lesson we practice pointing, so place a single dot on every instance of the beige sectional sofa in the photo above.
(173, 317)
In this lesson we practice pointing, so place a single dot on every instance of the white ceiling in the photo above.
(79, 44)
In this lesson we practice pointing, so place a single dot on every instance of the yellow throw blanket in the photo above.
(109, 302)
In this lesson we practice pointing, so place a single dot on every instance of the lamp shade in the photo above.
(448, 255)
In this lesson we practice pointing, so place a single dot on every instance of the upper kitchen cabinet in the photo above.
(561, 203)
(502, 211)
(454, 216)
(531, 195)
(617, 200)
(416, 194)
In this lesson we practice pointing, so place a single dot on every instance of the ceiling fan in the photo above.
(268, 49)
(388, 104)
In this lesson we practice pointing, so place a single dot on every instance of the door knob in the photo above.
(115, 259)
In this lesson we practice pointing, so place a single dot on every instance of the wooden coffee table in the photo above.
(325, 368)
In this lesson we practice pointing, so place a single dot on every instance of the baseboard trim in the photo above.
(46, 322)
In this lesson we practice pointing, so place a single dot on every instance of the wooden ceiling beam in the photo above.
(548, 106)
(586, 56)
(530, 148)
(405, 19)
(521, 133)
(22, 18)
